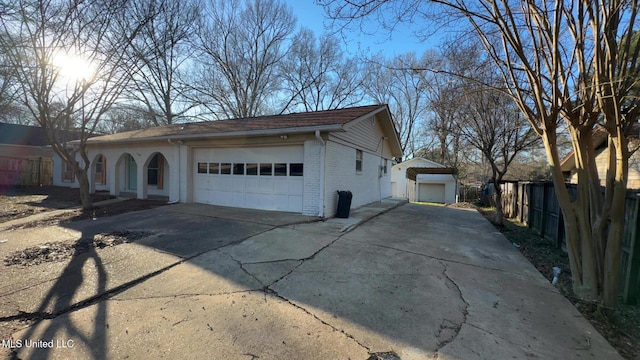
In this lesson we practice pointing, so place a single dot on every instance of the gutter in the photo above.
(322, 151)
(294, 130)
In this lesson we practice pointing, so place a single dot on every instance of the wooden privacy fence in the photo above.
(535, 205)
(26, 171)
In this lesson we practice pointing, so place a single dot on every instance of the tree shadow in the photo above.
(344, 286)
(60, 301)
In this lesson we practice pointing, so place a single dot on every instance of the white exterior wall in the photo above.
(411, 189)
(399, 176)
(399, 181)
(116, 172)
(340, 174)
(182, 174)
(329, 166)
(312, 195)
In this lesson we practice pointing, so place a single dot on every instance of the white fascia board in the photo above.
(268, 132)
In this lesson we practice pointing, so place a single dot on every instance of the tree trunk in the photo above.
(83, 182)
(613, 249)
(577, 222)
(499, 211)
(619, 151)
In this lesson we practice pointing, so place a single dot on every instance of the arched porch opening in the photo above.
(156, 171)
(126, 176)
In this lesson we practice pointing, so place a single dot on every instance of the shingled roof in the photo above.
(15, 134)
(326, 120)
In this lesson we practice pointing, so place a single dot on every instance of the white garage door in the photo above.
(431, 192)
(267, 178)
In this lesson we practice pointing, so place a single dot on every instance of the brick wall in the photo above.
(340, 174)
(311, 196)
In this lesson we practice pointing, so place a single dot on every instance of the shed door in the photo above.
(431, 192)
(267, 178)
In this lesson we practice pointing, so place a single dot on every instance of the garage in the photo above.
(266, 178)
(431, 193)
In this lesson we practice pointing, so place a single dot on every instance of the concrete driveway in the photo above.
(416, 282)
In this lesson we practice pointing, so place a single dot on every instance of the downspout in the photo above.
(179, 171)
(322, 150)
(380, 169)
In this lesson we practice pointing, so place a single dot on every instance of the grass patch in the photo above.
(427, 203)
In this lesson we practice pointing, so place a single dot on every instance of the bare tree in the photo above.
(397, 82)
(492, 124)
(124, 117)
(10, 110)
(455, 66)
(241, 45)
(317, 75)
(163, 50)
(67, 58)
(568, 65)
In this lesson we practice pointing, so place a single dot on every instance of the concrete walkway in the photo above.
(414, 282)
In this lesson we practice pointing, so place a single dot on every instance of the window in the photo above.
(266, 170)
(100, 170)
(358, 161)
(152, 171)
(225, 168)
(296, 169)
(155, 173)
(67, 172)
(280, 169)
(386, 164)
(252, 169)
(238, 169)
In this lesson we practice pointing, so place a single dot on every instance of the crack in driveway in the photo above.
(276, 294)
(185, 296)
(109, 295)
(268, 290)
(449, 325)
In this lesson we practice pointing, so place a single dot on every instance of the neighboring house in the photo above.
(420, 179)
(602, 158)
(293, 162)
(25, 158)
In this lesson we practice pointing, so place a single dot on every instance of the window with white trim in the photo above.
(358, 161)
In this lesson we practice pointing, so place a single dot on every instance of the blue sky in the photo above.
(400, 41)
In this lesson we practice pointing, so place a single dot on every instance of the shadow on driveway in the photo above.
(59, 300)
(417, 282)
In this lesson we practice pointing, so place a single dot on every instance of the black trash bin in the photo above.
(344, 204)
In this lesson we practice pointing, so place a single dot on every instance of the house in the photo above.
(602, 158)
(420, 179)
(293, 162)
(25, 155)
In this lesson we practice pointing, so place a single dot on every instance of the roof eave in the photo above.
(267, 132)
